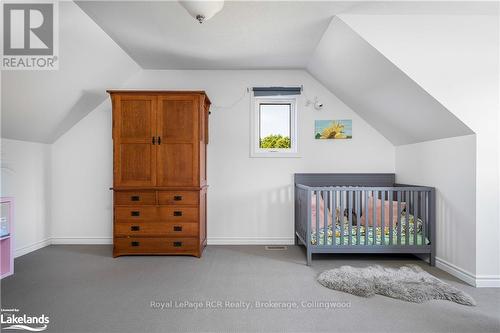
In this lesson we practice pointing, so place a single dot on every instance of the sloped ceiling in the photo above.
(39, 106)
(103, 43)
(451, 56)
(378, 90)
(244, 35)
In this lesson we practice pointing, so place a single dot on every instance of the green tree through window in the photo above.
(275, 141)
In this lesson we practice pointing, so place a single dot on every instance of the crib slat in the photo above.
(415, 217)
(374, 221)
(425, 217)
(358, 216)
(349, 193)
(407, 224)
(382, 220)
(399, 219)
(334, 220)
(391, 218)
(422, 212)
(330, 212)
(325, 217)
(341, 217)
(309, 222)
(317, 217)
(367, 216)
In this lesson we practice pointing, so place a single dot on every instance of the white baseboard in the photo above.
(61, 241)
(31, 247)
(210, 241)
(81, 240)
(479, 281)
(250, 241)
(456, 271)
(488, 281)
(108, 240)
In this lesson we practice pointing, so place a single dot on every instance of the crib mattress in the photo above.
(371, 240)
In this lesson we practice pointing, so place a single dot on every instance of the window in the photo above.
(274, 132)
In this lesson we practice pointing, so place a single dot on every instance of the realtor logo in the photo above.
(12, 319)
(30, 36)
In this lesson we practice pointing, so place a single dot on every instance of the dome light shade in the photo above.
(202, 10)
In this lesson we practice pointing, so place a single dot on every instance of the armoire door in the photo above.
(134, 129)
(178, 126)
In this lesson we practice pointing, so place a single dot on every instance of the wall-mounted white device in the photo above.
(316, 104)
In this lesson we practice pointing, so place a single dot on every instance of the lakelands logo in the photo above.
(30, 36)
(11, 319)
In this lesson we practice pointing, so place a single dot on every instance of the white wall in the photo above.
(250, 199)
(82, 172)
(449, 166)
(455, 58)
(26, 178)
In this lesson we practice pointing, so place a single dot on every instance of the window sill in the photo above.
(274, 155)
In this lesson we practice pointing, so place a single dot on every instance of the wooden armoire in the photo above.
(159, 172)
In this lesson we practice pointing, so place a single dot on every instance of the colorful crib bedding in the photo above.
(371, 240)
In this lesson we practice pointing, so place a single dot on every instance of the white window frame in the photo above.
(255, 150)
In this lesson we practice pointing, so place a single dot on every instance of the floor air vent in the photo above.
(276, 247)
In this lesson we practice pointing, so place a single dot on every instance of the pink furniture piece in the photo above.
(6, 237)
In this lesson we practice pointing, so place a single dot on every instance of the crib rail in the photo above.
(359, 218)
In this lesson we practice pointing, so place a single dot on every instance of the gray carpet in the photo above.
(82, 289)
(409, 283)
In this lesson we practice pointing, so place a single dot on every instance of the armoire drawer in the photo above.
(181, 229)
(135, 198)
(178, 197)
(136, 213)
(155, 245)
(179, 214)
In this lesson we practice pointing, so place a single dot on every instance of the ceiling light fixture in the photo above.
(202, 10)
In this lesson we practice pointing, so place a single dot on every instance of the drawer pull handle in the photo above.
(177, 244)
(177, 213)
(134, 243)
(135, 228)
(177, 228)
(177, 197)
(135, 213)
(135, 198)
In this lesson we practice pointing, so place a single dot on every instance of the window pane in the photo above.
(274, 127)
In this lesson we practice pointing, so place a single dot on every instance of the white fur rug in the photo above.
(409, 283)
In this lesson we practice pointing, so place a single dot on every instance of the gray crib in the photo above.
(364, 213)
